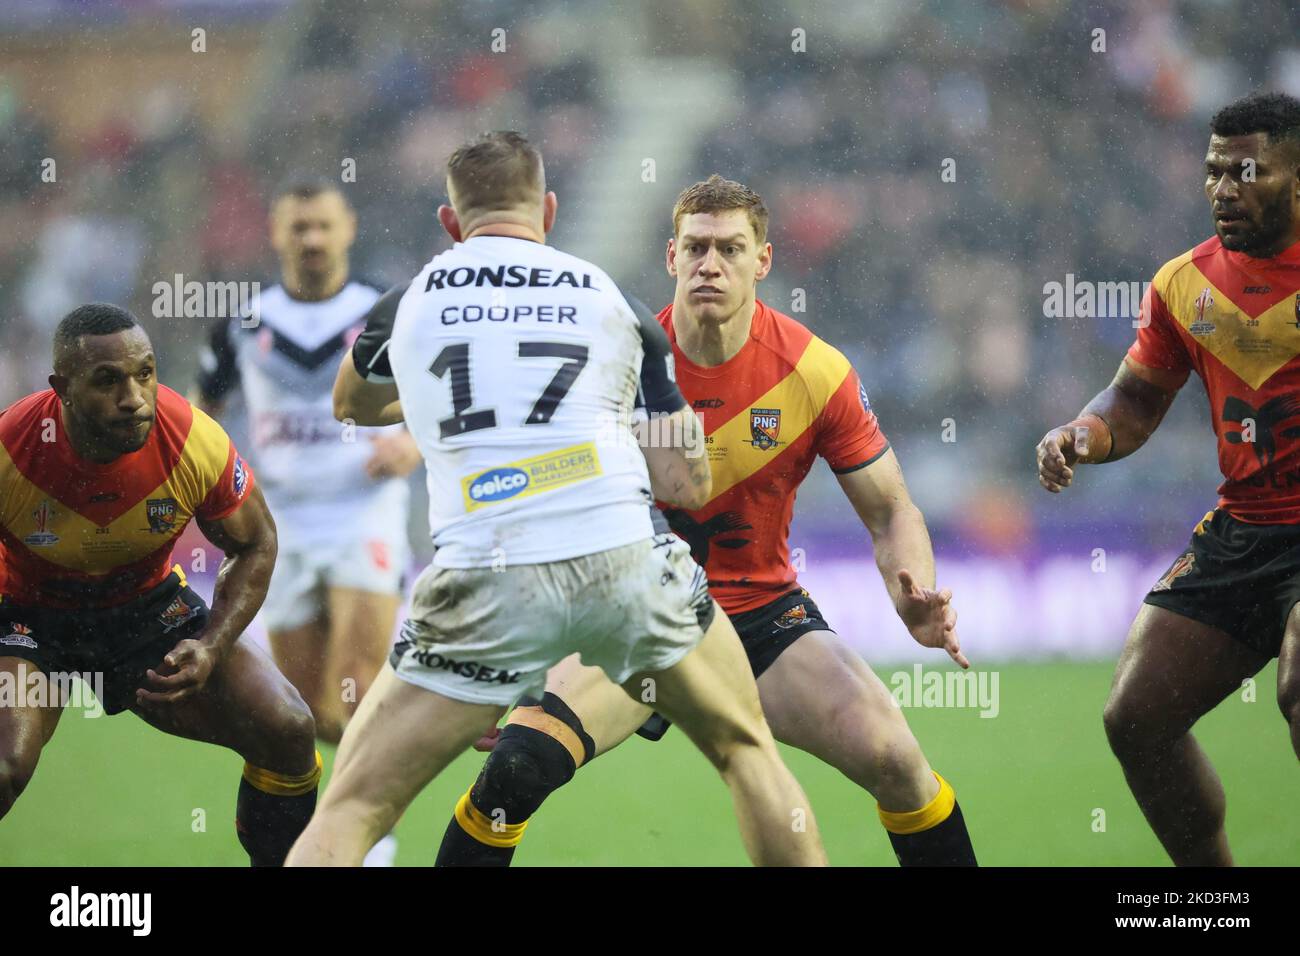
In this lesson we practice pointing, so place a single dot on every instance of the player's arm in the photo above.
(1114, 424)
(674, 446)
(1123, 416)
(903, 552)
(363, 401)
(248, 539)
(364, 390)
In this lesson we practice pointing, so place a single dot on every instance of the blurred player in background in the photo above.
(339, 493)
(1230, 310)
(773, 397)
(99, 475)
(512, 361)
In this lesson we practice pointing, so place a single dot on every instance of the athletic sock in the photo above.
(272, 811)
(934, 835)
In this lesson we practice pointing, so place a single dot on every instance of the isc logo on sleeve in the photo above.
(519, 479)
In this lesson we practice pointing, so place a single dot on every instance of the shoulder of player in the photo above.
(19, 419)
(820, 366)
(1173, 270)
(205, 444)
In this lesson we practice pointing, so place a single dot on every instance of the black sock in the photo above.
(460, 849)
(935, 835)
(272, 812)
(945, 844)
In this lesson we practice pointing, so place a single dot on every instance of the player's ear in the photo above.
(450, 222)
(60, 385)
(549, 207)
(670, 259)
(764, 263)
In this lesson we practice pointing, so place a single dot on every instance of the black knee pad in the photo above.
(527, 765)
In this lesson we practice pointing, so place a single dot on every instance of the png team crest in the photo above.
(764, 426)
(161, 513)
(794, 616)
(177, 613)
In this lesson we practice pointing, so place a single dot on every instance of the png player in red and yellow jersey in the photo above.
(99, 475)
(773, 397)
(1228, 309)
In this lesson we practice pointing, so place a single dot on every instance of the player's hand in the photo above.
(181, 675)
(393, 456)
(930, 616)
(1059, 451)
(489, 740)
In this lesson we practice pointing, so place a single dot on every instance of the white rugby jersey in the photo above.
(517, 367)
(285, 366)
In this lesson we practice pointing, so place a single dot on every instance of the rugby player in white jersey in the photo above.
(509, 360)
(338, 492)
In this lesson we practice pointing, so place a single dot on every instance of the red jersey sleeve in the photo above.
(1158, 343)
(231, 489)
(848, 435)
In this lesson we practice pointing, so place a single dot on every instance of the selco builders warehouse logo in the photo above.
(519, 479)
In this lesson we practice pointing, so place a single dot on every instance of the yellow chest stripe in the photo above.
(1252, 347)
(799, 398)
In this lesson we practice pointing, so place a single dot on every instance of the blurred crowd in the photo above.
(929, 167)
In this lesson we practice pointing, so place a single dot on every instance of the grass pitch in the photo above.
(1032, 781)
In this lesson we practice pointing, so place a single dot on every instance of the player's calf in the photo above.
(24, 731)
(710, 693)
(539, 751)
(282, 769)
(249, 707)
(1288, 676)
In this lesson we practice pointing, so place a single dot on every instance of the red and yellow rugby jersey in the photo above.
(77, 534)
(768, 412)
(1236, 321)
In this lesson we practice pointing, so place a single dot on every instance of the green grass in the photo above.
(115, 792)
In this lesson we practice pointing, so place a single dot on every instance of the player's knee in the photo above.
(290, 740)
(15, 774)
(1129, 726)
(525, 767)
(1288, 699)
(1120, 723)
(889, 761)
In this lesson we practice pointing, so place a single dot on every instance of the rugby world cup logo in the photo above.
(1204, 303)
(42, 537)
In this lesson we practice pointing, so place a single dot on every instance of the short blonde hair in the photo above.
(716, 194)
